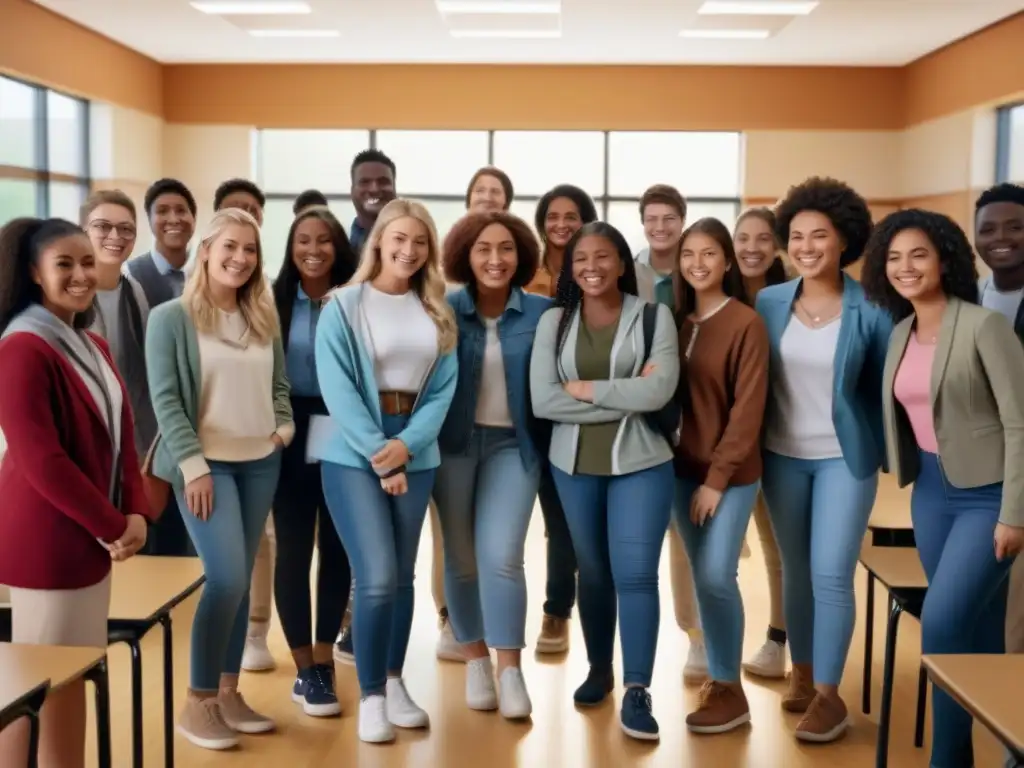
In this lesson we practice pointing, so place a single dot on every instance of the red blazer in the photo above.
(55, 474)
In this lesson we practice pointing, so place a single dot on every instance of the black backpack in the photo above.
(667, 420)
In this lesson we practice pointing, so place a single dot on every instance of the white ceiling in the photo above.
(837, 32)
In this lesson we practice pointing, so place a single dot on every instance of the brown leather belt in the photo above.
(397, 403)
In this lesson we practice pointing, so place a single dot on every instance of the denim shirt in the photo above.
(300, 357)
(516, 328)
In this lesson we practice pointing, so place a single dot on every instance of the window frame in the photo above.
(41, 175)
(1004, 139)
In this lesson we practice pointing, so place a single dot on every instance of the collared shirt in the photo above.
(357, 237)
(663, 291)
(544, 282)
(175, 277)
(300, 362)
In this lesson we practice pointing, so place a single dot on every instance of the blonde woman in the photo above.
(217, 381)
(385, 360)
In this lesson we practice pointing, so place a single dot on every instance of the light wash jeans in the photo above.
(484, 502)
(618, 525)
(714, 549)
(227, 542)
(819, 512)
(381, 534)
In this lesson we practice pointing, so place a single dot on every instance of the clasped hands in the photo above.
(132, 540)
(584, 390)
(390, 461)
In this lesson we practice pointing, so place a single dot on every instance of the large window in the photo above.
(44, 152)
(614, 167)
(1010, 144)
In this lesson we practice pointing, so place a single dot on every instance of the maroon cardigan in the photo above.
(55, 474)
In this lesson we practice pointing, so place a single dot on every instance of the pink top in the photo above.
(913, 390)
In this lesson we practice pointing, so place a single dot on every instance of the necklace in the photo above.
(816, 317)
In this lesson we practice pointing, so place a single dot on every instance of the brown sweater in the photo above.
(723, 391)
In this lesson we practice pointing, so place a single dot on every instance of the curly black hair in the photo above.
(959, 275)
(846, 209)
(373, 156)
(168, 187)
(231, 186)
(583, 202)
(568, 294)
(1000, 193)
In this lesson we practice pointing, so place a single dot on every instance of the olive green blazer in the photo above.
(977, 394)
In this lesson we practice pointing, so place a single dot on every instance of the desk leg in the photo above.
(101, 680)
(137, 746)
(888, 666)
(869, 639)
(33, 740)
(165, 622)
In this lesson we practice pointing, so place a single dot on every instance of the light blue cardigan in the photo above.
(345, 370)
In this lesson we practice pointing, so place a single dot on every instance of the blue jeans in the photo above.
(965, 608)
(714, 549)
(381, 534)
(819, 513)
(560, 587)
(618, 525)
(484, 501)
(227, 542)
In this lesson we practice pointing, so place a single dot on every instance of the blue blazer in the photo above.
(859, 362)
(345, 371)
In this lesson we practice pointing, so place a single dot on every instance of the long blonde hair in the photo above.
(427, 282)
(255, 301)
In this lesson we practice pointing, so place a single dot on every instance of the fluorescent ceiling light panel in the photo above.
(496, 7)
(252, 7)
(294, 33)
(756, 8)
(507, 34)
(726, 34)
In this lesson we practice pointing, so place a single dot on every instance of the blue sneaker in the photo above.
(343, 653)
(636, 718)
(314, 690)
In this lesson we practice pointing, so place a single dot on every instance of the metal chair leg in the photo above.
(869, 639)
(922, 706)
(888, 668)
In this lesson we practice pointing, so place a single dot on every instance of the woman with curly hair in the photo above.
(954, 369)
(758, 258)
(490, 467)
(593, 377)
(823, 443)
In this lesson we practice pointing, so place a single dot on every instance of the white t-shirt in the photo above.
(492, 400)
(402, 339)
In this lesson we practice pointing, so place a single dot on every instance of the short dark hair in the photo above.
(168, 187)
(666, 195)
(231, 186)
(1000, 193)
(372, 156)
(956, 259)
(583, 202)
(21, 243)
(497, 173)
(847, 210)
(105, 197)
(732, 283)
(308, 198)
(458, 245)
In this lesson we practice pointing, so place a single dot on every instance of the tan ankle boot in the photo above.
(202, 723)
(801, 689)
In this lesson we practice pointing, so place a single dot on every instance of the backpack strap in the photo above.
(650, 321)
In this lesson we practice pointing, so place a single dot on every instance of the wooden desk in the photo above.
(985, 686)
(144, 592)
(899, 570)
(29, 667)
(890, 522)
(22, 695)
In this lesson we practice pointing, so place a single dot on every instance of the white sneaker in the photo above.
(696, 668)
(257, 657)
(374, 726)
(402, 710)
(769, 661)
(448, 648)
(515, 700)
(481, 694)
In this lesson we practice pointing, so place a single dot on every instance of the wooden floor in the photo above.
(558, 735)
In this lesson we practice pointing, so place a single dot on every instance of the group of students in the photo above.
(675, 393)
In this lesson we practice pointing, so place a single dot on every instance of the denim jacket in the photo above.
(516, 328)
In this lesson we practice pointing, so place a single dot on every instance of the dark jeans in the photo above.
(965, 608)
(560, 590)
(618, 525)
(302, 520)
(168, 536)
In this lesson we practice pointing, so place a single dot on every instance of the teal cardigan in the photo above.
(175, 378)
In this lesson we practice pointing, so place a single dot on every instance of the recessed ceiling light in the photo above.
(757, 8)
(449, 7)
(252, 7)
(726, 34)
(508, 34)
(294, 33)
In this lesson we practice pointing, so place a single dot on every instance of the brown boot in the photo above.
(801, 689)
(554, 635)
(722, 707)
(826, 720)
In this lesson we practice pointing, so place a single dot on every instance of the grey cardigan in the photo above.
(623, 397)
